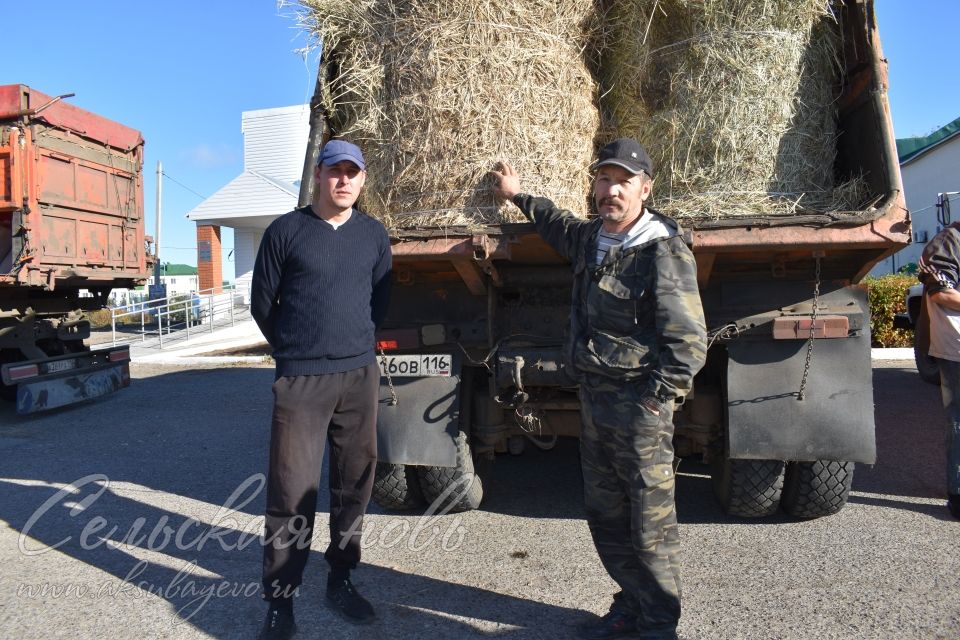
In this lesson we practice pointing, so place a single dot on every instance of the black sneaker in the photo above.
(343, 598)
(279, 624)
(953, 503)
(616, 624)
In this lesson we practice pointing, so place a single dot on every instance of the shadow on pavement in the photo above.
(194, 437)
(197, 435)
(911, 459)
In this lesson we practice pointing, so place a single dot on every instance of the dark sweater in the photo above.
(318, 292)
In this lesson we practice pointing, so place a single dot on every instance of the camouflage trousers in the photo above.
(627, 458)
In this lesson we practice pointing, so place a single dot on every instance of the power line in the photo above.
(199, 195)
(915, 211)
(190, 248)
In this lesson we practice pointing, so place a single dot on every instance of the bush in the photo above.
(887, 298)
(101, 319)
(98, 319)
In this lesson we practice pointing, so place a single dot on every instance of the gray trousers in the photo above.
(950, 390)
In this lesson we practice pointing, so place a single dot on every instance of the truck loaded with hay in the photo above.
(71, 219)
(769, 126)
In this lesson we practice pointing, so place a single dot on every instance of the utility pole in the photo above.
(156, 277)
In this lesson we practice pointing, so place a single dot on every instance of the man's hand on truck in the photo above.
(506, 182)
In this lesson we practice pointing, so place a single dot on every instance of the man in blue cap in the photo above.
(321, 286)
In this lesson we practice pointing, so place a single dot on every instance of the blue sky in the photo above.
(180, 72)
(183, 72)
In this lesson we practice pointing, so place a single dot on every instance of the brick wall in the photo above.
(209, 265)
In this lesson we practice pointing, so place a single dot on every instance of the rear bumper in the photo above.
(66, 380)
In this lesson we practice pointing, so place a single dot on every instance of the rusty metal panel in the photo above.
(131, 250)
(72, 184)
(58, 238)
(17, 98)
(114, 250)
(92, 187)
(93, 241)
(6, 177)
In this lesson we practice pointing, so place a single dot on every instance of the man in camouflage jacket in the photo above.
(637, 338)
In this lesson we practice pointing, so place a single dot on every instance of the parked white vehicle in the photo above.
(916, 320)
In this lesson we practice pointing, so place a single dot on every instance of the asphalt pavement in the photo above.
(138, 515)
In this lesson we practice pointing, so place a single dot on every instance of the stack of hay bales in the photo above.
(735, 99)
(435, 92)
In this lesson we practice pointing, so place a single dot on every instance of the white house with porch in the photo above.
(274, 146)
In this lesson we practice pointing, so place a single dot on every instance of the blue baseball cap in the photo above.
(337, 150)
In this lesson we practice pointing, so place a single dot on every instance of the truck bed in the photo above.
(71, 196)
(731, 249)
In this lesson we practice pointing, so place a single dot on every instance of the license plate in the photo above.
(416, 366)
(61, 365)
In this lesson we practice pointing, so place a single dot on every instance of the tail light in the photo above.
(22, 372)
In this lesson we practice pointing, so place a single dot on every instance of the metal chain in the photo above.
(813, 323)
(393, 392)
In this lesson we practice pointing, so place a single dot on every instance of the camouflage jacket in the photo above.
(637, 315)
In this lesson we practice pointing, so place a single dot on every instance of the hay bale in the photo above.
(436, 92)
(735, 100)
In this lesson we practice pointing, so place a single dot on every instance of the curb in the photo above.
(199, 360)
(900, 353)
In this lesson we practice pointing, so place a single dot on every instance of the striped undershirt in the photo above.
(647, 228)
(605, 240)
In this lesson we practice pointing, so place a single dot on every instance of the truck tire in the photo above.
(748, 488)
(816, 489)
(453, 489)
(396, 487)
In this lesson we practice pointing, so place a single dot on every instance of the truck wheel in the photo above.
(395, 487)
(453, 488)
(815, 489)
(748, 488)
(927, 367)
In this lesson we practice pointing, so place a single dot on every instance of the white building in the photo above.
(929, 165)
(179, 280)
(180, 285)
(274, 146)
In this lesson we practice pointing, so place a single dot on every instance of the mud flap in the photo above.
(422, 427)
(52, 392)
(835, 420)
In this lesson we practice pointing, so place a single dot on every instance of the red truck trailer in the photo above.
(71, 219)
(782, 411)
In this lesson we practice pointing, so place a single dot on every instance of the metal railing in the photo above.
(172, 318)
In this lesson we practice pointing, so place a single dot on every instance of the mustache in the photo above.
(608, 200)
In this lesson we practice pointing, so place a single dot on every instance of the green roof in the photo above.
(179, 270)
(909, 148)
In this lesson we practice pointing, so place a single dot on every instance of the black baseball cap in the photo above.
(626, 153)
